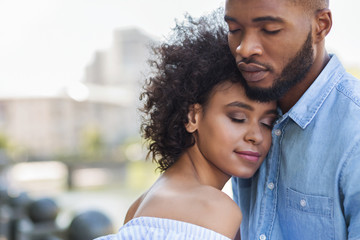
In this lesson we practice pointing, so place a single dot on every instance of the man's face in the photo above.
(271, 41)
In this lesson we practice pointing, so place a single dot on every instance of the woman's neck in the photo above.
(193, 166)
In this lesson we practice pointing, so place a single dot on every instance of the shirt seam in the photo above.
(347, 94)
(346, 163)
(303, 124)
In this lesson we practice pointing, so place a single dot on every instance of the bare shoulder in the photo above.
(133, 208)
(220, 212)
(200, 205)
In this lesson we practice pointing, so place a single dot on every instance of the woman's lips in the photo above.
(249, 156)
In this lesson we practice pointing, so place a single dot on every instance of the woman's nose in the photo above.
(254, 134)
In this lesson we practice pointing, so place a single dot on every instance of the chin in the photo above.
(261, 84)
(245, 174)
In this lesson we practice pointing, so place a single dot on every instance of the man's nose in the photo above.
(249, 46)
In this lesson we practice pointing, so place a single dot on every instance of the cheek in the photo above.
(225, 134)
(212, 132)
(233, 43)
(278, 55)
(267, 141)
(280, 52)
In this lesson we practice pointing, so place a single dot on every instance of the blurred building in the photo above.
(124, 63)
(105, 103)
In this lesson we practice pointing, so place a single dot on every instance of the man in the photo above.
(309, 186)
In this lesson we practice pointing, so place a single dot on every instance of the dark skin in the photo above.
(321, 27)
(270, 33)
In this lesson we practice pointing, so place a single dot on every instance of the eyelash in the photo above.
(237, 120)
(271, 32)
(268, 126)
(234, 31)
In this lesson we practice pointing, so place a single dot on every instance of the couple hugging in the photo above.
(249, 92)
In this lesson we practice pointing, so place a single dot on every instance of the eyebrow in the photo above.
(258, 19)
(248, 107)
(240, 105)
(268, 19)
(272, 111)
(229, 19)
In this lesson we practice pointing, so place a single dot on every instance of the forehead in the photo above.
(263, 3)
(252, 9)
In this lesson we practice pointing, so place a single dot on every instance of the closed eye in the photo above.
(233, 26)
(237, 120)
(271, 32)
(234, 31)
(269, 126)
(269, 122)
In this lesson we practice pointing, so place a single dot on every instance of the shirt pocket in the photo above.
(308, 216)
(311, 204)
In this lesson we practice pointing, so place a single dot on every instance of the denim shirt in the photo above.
(309, 185)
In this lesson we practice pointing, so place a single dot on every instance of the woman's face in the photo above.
(234, 132)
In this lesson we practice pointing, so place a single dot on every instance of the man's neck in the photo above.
(295, 93)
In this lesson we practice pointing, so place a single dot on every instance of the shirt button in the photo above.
(277, 132)
(271, 186)
(262, 237)
(303, 202)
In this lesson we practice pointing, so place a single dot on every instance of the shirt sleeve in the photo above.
(350, 187)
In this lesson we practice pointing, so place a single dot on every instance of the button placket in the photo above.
(270, 201)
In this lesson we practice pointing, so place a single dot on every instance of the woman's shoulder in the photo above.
(161, 228)
(200, 205)
(133, 208)
(220, 211)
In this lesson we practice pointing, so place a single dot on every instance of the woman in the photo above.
(201, 129)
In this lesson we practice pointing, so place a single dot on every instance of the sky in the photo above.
(46, 44)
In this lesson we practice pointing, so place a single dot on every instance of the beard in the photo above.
(292, 74)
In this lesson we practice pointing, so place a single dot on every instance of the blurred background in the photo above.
(71, 156)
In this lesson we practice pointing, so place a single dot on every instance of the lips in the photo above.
(249, 156)
(252, 72)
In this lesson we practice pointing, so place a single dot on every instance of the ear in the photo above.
(323, 24)
(193, 118)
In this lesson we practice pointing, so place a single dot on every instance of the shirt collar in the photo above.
(308, 105)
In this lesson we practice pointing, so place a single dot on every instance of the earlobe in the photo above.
(193, 118)
(323, 25)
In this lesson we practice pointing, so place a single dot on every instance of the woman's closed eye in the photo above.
(238, 117)
(268, 122)
(237, 120)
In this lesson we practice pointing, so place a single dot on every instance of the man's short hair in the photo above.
(312, 5)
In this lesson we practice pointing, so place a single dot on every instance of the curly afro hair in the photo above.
(186, 68)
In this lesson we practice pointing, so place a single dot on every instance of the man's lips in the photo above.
(251, 67)
(252, 72)
(249, 155)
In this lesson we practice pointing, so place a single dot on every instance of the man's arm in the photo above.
(350, 191)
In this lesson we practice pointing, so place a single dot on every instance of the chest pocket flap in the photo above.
(312, 204)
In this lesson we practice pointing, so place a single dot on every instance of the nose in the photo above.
(249, 46)
(254, 134)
